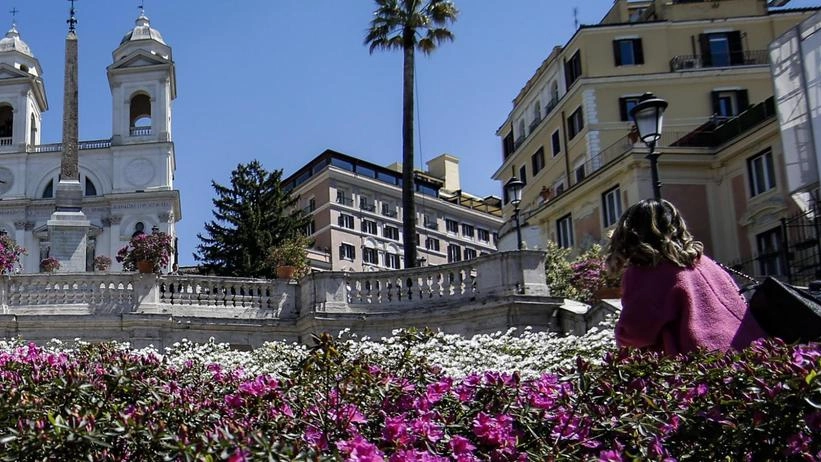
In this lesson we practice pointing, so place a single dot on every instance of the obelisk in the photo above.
(68, 226)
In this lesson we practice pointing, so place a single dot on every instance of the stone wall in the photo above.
(488, 294)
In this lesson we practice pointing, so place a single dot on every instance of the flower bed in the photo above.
(362, 401)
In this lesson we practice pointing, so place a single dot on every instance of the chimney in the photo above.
(446, 168)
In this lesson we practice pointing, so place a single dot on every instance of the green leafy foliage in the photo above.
(251, 215)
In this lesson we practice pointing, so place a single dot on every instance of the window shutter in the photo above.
(617, 52)
(638, 52)
(339, 220)
(623, 109)
(704, 43)
(743, 100)
(716, 108)
(341, 253)
(736, 48)
(567, 75)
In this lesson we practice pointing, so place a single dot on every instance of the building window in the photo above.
(392, 260)
(770, 261)
(625, 105)
(579, 172)
(520, 135)
(390, 232)
(729, 103)
(366, 204)
(310, 228)
(452, 226)
(564, 231)
(575, 123)
(523, 173)
(507, 145)
(557, 143)
(483, 235)
(470, 254)
(628, 52)
(611, 206)
(91, 190)
(432, 244)
(342, 198)
(454, 253)
(762, 173)
(345, 221)
(467, 230)
(537, 116)
(369, 227)
(347, 252)
(389, 210)
(537, 161)
(721, 49)
(558, 187)
(573, 68)
(370, 255)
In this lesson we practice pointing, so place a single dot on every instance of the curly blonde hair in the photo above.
(649, 232)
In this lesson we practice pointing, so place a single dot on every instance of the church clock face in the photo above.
(6, 180)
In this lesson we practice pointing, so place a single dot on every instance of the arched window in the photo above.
(48, 193)
(91, 190)
(33, 131)
(139, 228)
(6, 124)
(24, 68)
(140, 115)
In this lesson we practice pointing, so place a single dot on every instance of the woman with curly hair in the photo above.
(675, 299)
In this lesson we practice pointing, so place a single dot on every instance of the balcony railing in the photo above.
(518, 142)
(57, 147)
(740, 58)
(717, 132)
(5, 141)
(432, 225)
(367, 207)
(345, 201)
(617, 150)
(535, 124)
(140, 131)
(389, 211)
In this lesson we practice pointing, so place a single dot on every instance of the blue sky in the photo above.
(283, 80)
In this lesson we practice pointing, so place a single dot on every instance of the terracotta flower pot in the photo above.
(145, 266)
(286, 272)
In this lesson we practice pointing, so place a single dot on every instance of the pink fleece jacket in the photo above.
(676, 310)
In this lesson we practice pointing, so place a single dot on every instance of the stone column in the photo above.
(113, 224)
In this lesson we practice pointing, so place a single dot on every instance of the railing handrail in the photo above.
(57, 147)
(737, 58)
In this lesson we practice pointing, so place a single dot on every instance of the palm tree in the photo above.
(408, 25)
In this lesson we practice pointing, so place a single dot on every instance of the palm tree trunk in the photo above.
(408, 189)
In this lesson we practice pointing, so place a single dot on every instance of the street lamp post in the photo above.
(648, 115)
(514, 188)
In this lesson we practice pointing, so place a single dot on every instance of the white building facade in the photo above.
(127, 179)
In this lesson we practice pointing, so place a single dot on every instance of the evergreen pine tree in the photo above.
(251, 216)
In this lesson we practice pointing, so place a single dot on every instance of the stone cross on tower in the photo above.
(68, 226)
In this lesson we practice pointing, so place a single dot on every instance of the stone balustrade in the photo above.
(490, 293)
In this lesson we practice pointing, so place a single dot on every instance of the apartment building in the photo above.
(356, 210)
(569, 137)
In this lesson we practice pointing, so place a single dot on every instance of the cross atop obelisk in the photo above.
(68, 226)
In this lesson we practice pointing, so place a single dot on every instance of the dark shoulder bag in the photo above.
(784, 311)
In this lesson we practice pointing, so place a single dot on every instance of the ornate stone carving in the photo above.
(115, 219)
(165, 217)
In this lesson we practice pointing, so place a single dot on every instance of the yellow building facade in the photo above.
(569, 138)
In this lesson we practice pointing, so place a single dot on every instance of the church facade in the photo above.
(126, 180)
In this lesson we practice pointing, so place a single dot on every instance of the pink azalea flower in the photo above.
(358, 449)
